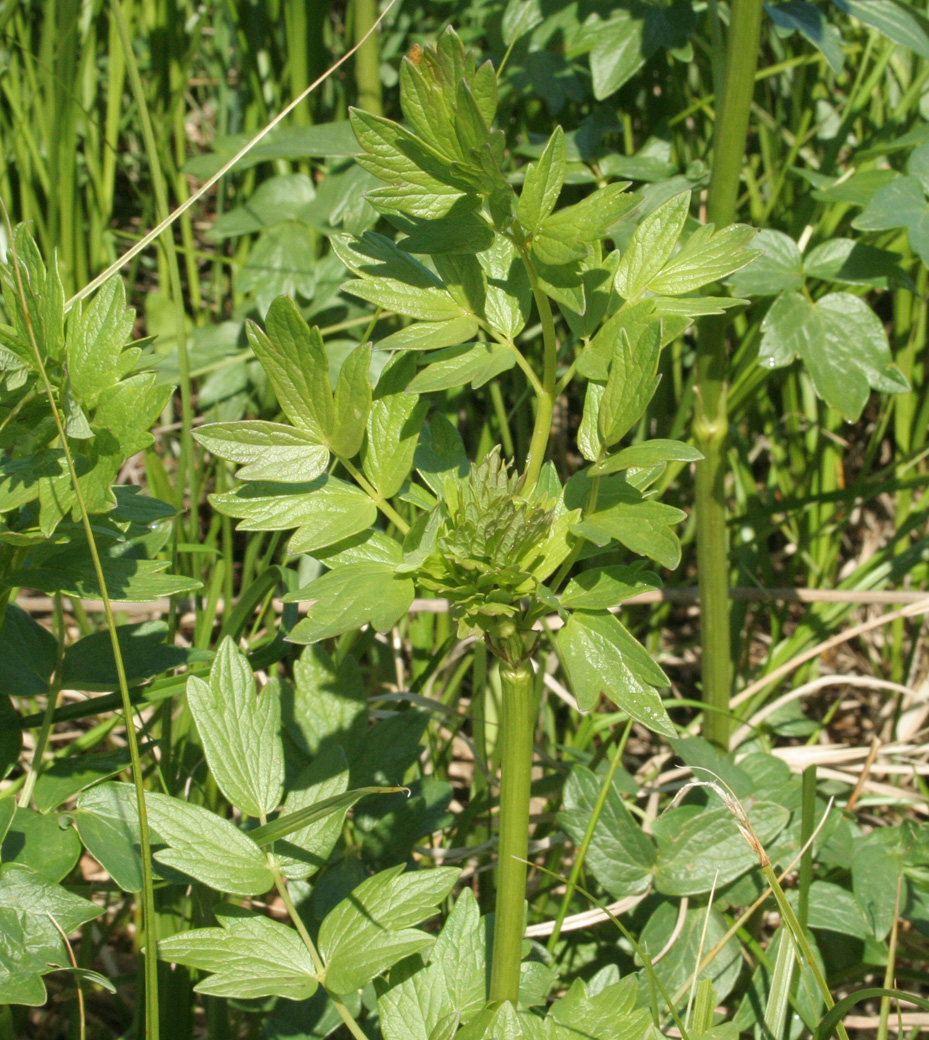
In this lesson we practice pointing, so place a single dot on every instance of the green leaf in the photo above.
(699, 848)
(426, 304)
(897, 21)
(250, 955)
(352, 403)
(707, 256)
(282, 262)
(809, 21)
(440, 453)
(431, 335)
(841, 341)
(623, 513)
(507, 293)
(603, 587)
(96, 338)
(349, 597)
(108, 824)
(632, 35)
(450, 988)
(28, 654)
(608, 1014)
(475, 363)
(631, 383)
(41, 842)
(566, 234)
(394, 423)
(63, 778)
(274, 201)
(240, 732)
(845, 260)
(542, 184)
(30, 944)
(327, 704)
(652, 244)
(647, 454)
(377, 257)
(324, 511)
(902, 203)
(461, 230)
(832, 908)
(778, 269)
(292, 355)
(265, 450)
(71, 571)
(371, 930)
(620, 855)
(89, 663)
(600, 656)
(207, 847)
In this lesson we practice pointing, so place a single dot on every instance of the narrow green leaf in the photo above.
(265, 450)
(707, 256)
(292, 355)
(632, 381)
(649, 453)
(652, 244)
(352, 403)
(394, 423)
(475, 363)
(542, 184)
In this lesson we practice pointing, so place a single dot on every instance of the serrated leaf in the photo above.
(292, 355)
(251, 956)
(507, 294)
(349, 597)
(449, 989)
(426, 304)
(240, 732)
(371, 930)
(324, 511)
(841, 341)
(475, 363)
(652, 244)
(542, 184)
(207, 847)
(71, 571)
(265, 450)
(97, 335)
(352, 403)
(440, 453)
(393, 428)
(631, 383)
(707, 256)
(601, 657)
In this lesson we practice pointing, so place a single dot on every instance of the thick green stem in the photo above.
(516, 738)
(367, 60)
(711, 419)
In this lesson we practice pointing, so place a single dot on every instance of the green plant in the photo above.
(498, 544)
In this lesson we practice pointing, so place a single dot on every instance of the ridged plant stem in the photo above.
(367, 60)
(711, 419)
(516, 738)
